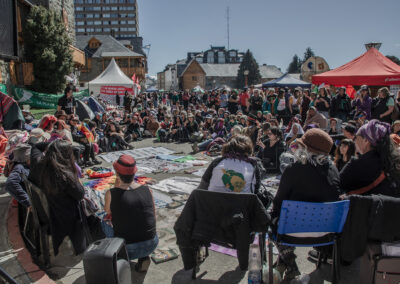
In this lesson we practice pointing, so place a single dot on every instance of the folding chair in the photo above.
(327, 219)
(41, 220)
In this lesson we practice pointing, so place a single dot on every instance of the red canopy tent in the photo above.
(372, 68)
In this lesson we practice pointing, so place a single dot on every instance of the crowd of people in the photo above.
(324, 144)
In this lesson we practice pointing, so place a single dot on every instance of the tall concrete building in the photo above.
(118, 18)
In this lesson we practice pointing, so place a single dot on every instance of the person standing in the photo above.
(383, 106)
(341, 105)
(67, 102)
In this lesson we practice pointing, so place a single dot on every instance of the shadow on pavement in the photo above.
(231, 277)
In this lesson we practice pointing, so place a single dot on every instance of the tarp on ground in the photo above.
(371, 68)
(110, 82)
(41, 100)
(83, 111)
(286, 81)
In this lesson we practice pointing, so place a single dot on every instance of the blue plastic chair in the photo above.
(308, 217)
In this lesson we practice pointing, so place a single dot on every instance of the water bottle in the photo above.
(254, 276)
(276, 278)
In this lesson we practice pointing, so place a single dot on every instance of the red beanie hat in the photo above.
(125, 165)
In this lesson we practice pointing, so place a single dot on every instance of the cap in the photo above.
(125, 165)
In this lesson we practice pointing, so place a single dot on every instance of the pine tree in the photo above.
(395, 59)
(294, 66)
(47, 47)
(309, 53)
(250, 64)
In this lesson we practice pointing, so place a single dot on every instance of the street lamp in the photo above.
(246, 74)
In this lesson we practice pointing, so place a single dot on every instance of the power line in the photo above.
(227, 25)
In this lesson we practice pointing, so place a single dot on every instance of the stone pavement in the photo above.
(218, 268)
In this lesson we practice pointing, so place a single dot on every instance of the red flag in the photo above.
(134, 77)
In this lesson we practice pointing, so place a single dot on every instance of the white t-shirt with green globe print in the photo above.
(233, 176)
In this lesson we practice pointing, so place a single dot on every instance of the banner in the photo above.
(113, 90)
(40, 100)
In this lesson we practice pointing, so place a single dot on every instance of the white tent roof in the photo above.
(112, 76)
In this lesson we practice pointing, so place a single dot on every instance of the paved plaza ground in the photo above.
(218, 268)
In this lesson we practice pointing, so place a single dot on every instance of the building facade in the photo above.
(118, 18)
(100, 49)
(14, 69)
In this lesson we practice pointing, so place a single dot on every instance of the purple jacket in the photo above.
(365, 106)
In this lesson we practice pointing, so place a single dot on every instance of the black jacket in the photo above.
(224, 218)
(307, 183)
(270, 156)
(340, 104)
(370, 218)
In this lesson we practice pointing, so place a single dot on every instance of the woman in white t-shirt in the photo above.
(236, 171)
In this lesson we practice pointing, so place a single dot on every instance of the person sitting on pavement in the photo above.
(113, 139)
(165, 129)
(133, 131)
(314, 117)
(132, 211)
(151, 126)
(377, 169)
(312, 178)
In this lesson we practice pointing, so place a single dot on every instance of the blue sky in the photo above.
(274, 30)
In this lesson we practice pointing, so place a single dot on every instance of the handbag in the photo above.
(91, 203)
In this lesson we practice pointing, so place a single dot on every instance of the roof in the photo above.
(121, 54)
(108, 45)
(371, 68)
(220, 70)
(270, 72)
(286, 81)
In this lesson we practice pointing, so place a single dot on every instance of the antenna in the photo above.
(227, 25)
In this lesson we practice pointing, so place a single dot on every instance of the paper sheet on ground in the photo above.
(142, 153)
(178, 185)
(156, 165)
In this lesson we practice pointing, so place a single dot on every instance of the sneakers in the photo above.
(89, 164)
(143, 264)
(313, 254)
(96, 162)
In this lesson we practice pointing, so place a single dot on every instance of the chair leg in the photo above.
(334, 264)
(270, 259)
(318, 264)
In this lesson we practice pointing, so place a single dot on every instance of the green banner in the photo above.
(3, 88)
(40, 100)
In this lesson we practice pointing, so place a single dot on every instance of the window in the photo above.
(131, 29)
(90, 30)
(221, 57)
(121, 1)
(115, 8)
(131, 22)
(114, 22)
(89, 1)
(78, 8)
(194, 78)
(106, 8)
(88, 15)
(80, 16)
(123, 29)
(122, 22)
(78, 1)
(97, 16)
(96, 8)
(106, 15)
(131, 15)
(106, 30)
(210, 57)
(232, 53)
(130, 1)
(114, 15)
(107, 2)
(89, 23)
(80, 30)
(97, 22)
(88, 8)
(97, 1)
(98, 30)
(80, 23)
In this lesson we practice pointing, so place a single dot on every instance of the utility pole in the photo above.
(227, 25)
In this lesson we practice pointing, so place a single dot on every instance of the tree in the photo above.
(250, 64)
(294, 66)
(394, 59)
(309, 53)
(47, 47)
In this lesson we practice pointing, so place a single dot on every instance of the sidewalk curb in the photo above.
(37, 275)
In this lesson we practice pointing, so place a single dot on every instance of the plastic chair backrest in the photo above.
(303, 217)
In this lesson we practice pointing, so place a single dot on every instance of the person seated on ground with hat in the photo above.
(344, 152)
(19, 167)
(296, 131)
(314, 117)
(271, 150)
(61, 115)
(165, 129)
(192, 129)
(113, 139)
(333, 126)
(312, 178)
(132, 211)
(57, 175)
(377, 169)
(151, 126)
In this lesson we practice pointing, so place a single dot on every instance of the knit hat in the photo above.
(22, 153)
(125, 165)
(316, 141)
(374, 131)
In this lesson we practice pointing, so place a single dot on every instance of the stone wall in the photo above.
(68, 5)
(5, 74)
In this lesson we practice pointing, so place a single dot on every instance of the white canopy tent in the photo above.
(111, 82)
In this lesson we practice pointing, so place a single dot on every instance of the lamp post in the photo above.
(246, 74)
